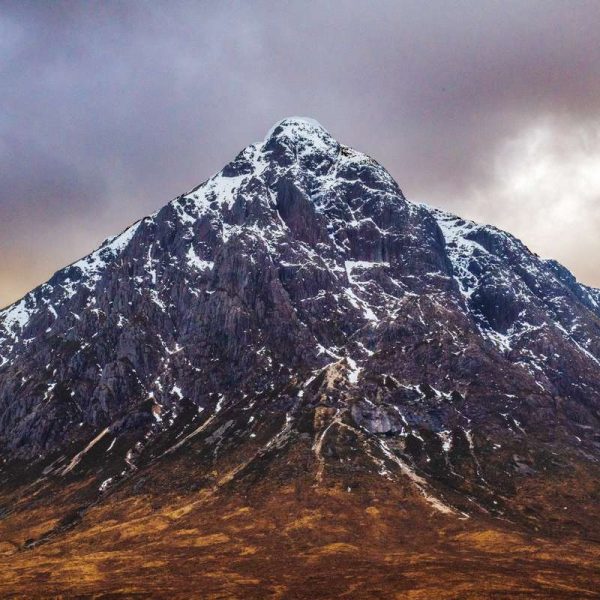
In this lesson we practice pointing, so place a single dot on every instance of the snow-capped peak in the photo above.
(302, 136)
(297, 127)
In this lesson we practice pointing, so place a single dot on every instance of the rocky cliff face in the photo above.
(295, 309)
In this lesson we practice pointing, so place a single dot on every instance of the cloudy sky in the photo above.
(110, 109)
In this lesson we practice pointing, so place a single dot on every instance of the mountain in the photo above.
(292, 369)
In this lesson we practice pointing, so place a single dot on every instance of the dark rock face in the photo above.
(299, 288)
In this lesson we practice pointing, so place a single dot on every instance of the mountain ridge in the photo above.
(303, 253)
(294, 325)
(304, 148)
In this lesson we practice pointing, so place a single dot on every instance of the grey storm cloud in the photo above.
(110, 109)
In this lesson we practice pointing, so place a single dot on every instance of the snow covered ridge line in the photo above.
(190, 207)
(91, 266)
(219, 191)
(458, 229)
(492, 266)
(14, 318)
(460, 234)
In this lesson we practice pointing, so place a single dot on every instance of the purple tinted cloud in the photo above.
(109, 109)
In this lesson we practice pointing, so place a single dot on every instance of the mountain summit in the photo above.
(294, 328)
